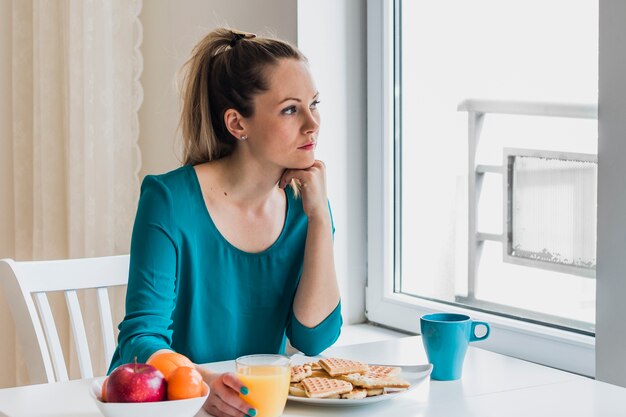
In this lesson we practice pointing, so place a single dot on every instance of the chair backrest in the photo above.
(26, 285)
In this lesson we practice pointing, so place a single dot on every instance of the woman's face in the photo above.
(285, 124)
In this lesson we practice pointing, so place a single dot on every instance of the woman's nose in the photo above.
(311, 124)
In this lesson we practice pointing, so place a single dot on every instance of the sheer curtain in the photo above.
(69, 159)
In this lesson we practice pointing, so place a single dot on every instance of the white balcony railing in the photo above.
(477, 110)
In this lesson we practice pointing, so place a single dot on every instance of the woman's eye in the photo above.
(290, 110)
(314, 104)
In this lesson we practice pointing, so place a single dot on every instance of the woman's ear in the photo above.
(233, 121)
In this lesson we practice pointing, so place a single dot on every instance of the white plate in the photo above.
(414, 378)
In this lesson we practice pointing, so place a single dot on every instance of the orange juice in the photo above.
(268, 385)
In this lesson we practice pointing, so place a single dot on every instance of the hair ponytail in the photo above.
(226, 70)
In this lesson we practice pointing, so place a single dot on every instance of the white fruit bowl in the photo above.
(178, 408)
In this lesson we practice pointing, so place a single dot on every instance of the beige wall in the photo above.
(171, 29)
(6, 150)
(7, 350)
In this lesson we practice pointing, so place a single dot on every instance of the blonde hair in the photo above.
(225, 71)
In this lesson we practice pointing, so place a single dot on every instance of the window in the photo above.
(477, 112)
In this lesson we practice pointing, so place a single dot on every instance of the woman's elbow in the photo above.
(316, 346)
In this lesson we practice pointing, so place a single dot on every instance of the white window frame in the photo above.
(542, 344)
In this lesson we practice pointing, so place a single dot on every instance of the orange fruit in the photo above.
(167, 362)
(104, 389)
(184, 382)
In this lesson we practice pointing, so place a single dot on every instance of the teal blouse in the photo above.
(191, 291)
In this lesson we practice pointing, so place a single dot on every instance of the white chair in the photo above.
(26, 285)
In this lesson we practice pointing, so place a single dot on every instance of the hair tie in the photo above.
(237, 36)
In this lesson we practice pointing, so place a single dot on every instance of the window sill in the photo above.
(364, 333)
(355, 334)
(556, 348)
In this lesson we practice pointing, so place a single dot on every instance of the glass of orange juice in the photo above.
(267, 378)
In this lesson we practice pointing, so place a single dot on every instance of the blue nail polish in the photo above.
(252, 412)
(244, 390)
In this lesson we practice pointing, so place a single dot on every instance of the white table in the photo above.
(492, 385)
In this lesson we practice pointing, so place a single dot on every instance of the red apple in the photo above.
(135, 383)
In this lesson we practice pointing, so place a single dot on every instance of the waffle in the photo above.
(337, 366)
(372, 392)
(324, 387)
(297, 390)
(299, 372)
(315, 366)
(384, 371)
(374, 381)
(319, 374)
(355, 394)
(335, 378)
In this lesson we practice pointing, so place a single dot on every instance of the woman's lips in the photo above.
(308, 147)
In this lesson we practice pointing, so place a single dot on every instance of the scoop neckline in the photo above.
(228, 244)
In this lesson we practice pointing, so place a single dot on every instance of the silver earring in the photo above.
(244, 137)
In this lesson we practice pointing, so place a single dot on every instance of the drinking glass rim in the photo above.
(281, 360)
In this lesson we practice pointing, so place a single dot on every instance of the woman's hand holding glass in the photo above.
(267, 377)
(224, 400)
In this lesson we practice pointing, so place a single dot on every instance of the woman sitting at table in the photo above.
(232, 253)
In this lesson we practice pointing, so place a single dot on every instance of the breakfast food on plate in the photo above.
(355, 394)
(345, 379)
(324, 387)
(372, 392)
(297, 390)
(320, 374)
(336, 366)
(299, 372)
(315, 366)
(384, 371)
(375, 381)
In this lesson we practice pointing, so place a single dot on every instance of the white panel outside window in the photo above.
(419, 154)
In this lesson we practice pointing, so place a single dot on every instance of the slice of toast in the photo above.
(324, 387)
(337, 366)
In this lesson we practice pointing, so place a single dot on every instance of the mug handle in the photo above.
(473, 337)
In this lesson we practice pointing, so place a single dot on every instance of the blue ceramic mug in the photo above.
(445, 337)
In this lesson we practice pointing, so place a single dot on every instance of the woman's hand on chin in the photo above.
(312, 186)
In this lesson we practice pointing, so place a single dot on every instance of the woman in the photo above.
(232, 253)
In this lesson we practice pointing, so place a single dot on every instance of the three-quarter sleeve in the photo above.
(313, 340)
(151, 294)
